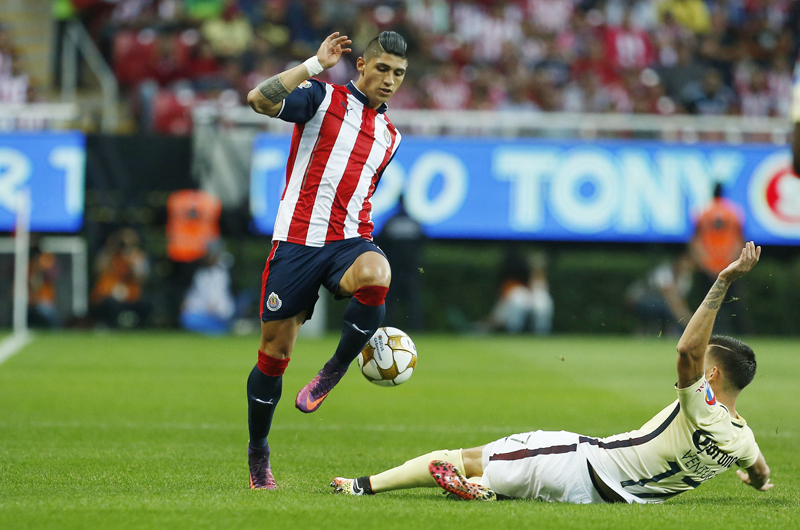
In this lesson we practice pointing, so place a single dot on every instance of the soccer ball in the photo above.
(389, 358)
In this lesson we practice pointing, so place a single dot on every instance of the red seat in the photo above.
(132, 53)
(171, 115)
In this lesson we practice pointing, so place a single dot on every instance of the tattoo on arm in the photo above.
(273, 90)
(716, 295)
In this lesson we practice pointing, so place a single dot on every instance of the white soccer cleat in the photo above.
(344, 486)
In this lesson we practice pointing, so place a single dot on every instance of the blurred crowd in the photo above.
(15, 84)
(712, 57)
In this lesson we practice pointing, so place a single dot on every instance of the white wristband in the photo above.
(313, 66)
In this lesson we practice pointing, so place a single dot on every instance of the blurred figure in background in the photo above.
(402, 240)
(209, 306)
(192, 224)
(42, 274)
(525, 303)
(122, 269)
(659, 301)
(718, 239)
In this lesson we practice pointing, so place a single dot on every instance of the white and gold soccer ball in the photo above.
(389, 358)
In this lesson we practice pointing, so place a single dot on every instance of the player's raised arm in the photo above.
(694, 341)
(266, 98)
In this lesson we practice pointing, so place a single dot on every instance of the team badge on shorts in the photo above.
(305, 84)
(274, 302)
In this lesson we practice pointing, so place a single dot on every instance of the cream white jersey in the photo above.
(689, 442)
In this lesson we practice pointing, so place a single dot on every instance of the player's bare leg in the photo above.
(367, 282)
(416, 473)
(264, 391)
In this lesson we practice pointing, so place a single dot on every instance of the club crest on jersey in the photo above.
(387, 136)
(304, 84)
(274, 302)
(711, 399)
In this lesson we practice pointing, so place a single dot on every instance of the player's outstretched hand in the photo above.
(747, 260)
(745, 477)
(332, 48)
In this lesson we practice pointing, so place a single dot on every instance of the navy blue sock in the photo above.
(361, 321)
(263, 394)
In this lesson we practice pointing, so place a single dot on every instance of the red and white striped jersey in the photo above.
(339, 151)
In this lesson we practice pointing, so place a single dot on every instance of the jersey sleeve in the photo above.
(700, 405)
(751, 450)
(302, 103)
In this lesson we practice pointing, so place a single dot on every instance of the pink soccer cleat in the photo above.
(452, 481)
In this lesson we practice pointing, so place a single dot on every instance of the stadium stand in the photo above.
(715, 57)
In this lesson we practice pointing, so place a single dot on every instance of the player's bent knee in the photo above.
(473, 461)
(374, 275)
(373, 269)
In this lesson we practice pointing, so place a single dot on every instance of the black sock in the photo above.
(263, 394)
(361, 321)
(362, 483)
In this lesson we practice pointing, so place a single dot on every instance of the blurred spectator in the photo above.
(550, 16)
(718, 241)
(447, 90)
(525, 303)
(709, 96)
(692, 14)
(209, 306)
(718, 238)
(230, 35)
(756, 99)
(402, 240)
(198, 10)
(628, 46)
(685, 72)
(430, 16)
(192, 224)
(15, 86)
(42, 275)
(122, 269)
(659, 301)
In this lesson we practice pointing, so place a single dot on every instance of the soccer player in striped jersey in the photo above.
(341, 145)
(692, 440)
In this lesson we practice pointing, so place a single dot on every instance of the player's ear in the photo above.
(361, 65)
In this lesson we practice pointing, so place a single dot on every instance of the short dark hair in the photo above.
(736, 358)
(386, 42)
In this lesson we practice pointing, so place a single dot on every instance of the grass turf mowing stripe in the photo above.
(148, 430)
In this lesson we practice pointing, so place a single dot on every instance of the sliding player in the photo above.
(692, 440)
(342, 143)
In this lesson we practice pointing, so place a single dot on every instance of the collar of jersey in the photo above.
(359, 95)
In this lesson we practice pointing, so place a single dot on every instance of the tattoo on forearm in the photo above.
(273, 89)
(716, 295)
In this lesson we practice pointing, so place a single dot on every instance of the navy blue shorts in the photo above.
(293, 274)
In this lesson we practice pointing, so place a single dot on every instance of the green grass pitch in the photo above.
(148, 430)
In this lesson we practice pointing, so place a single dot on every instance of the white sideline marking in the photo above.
(13, 344)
